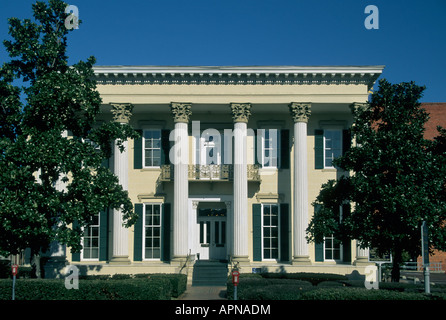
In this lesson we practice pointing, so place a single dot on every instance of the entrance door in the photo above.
(212, 234)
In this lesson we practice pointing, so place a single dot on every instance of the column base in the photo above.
(301, 260)
(241, 261)
(119, 260)
(362, 262)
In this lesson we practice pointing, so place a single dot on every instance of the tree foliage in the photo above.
(48, 179)
(395, 178)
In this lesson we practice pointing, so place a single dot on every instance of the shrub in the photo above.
(130, 289)
(359, 294)
(314, 278)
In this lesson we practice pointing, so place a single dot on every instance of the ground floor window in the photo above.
(152, 231)
(270, 230)
(90, 246)
(332, 249)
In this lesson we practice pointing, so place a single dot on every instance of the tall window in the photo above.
(332, 146)
(152, 231)
(270, 148)
(90, 249)
(270, 230)
(332, 249)
(152, 148)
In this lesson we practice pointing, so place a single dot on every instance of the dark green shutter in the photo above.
(105, 163)
(257, 231)
(285, 149)
(257, 145)
(318, 247)
(138, 232)
(165, 146)
(318, 149)
(77, 255)
(346, 141)
(103, 235)
(137, 151)
(319, 252)
(285, 229)
(165, 237)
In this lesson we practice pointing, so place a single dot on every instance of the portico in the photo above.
(228, 163)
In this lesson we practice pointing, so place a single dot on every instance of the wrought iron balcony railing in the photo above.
(213, 172)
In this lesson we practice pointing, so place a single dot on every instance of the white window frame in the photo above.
(98, 226)
(144, 147)
(332, 238)
(145, 228)
(273, 148)
(278, 232)
(325, 146)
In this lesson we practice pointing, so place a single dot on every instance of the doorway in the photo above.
(211, 218)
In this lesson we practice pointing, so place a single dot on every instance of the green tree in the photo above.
(394, 179)
(35, 154)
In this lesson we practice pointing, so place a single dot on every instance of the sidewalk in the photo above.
(204, 293)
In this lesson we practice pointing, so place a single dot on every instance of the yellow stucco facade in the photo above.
(210, 93)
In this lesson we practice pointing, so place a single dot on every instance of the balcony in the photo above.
(223, 172)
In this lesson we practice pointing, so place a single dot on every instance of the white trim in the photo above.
(194, 227)
(278, 232)
(144, 230)
(143, 155)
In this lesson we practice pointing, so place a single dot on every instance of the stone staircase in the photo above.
(209, 273)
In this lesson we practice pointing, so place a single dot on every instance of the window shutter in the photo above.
(77, 255)
(319, 252)
(165, 237)
(284, 232)
(257, 147)
(137, 151)
(318, 247)
(103, 235)
(319, 149)
(346, 141)
(138, 232)
(165, 146)
(105, 163)
(285, 149)
(257, 231)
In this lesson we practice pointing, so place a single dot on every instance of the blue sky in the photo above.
(410, 41)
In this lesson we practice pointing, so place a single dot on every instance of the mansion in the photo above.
(229, 162)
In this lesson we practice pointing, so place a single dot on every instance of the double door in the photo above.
(212, 238)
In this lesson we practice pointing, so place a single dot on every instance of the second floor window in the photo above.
(332, 146)
(152, 148)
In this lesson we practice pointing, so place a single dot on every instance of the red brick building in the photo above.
(437, 112)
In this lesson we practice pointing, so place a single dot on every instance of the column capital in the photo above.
(181, 111)
(240, 112)
(121, 112)
(356, 106)
(300, 111)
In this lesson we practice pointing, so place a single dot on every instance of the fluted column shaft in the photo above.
(241, 113)
(120, 253)
(180, 158)
(300, 113)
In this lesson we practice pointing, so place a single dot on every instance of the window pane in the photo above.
(152, 241)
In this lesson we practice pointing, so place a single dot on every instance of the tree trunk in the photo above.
(397, 259)
(35, 264)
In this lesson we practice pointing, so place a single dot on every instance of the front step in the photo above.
(209, 273)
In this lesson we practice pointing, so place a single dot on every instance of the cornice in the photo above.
(242, 75)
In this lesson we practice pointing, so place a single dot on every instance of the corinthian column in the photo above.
(120, 255)
(180, 158)
(240, 116)
(300, 113)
